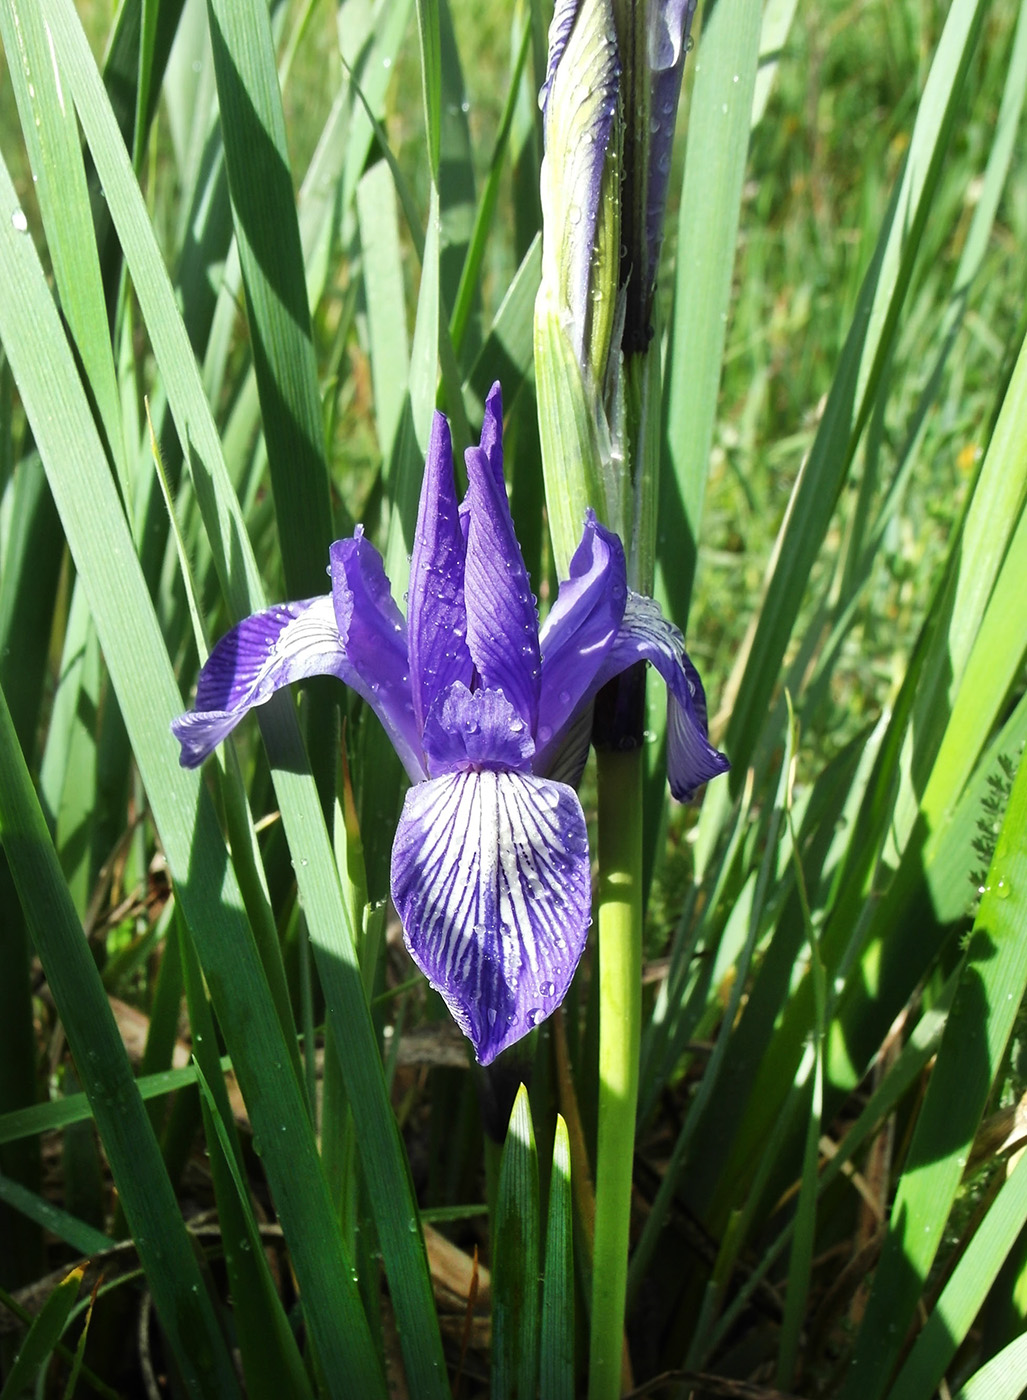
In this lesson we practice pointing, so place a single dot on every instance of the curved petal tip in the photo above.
(287, 643)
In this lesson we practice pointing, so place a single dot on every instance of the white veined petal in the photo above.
(490, 875)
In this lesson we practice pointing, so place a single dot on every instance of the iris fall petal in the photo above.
(490, 875)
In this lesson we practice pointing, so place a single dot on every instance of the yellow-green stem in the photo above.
(620, 1014)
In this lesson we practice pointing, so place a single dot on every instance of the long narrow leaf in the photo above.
(143, 1186)
(515, 1271)
(866, 350)
(327, 916)
(43, 1336)
(718, 143)
(138, 663)
(992, 987)
(267, 232)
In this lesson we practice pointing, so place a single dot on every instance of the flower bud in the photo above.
(610, 103)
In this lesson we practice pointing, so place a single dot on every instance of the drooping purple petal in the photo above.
(374, 639)
(502, 624)
(287, 643)
(578, 633)
(645, 634)
(436, 618)
(490, 875)
(479, 730)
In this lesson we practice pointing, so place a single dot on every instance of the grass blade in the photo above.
(1001, 1378)
(51, 135)
(515, 1310)
(74, 1108)
(84, 1238)
(556, 1349)
(267, 233)
(149, 698)
(201, 853)
(867, 348)
(991, 988)
(719, 122)
(43, 1336)
(143, 1186)
(961, 1299)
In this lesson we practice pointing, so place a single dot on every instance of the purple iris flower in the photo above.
(490, 866)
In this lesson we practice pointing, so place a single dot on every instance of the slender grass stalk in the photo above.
(801, 1265)
(619, 905)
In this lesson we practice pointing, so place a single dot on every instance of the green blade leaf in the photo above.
(1001, 1378)
(515, 1301)
(867, 349)
(43, 1336)
(990, 991)
(718, 143)
(148, 696)
(271, 257)
(556, 1352)
(963, 1295)
(51, 135)
(143, 1186)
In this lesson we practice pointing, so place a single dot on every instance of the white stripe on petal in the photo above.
(490, 874)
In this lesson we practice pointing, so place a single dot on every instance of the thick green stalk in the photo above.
(619, 906)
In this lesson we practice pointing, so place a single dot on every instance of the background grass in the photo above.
(834, 939)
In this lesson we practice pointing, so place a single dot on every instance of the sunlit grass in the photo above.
(901, 852)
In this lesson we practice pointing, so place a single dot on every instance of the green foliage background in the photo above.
(827, 1199)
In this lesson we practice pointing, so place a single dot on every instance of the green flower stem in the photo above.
(620, 1014)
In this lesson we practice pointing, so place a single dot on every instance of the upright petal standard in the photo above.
(490, 866)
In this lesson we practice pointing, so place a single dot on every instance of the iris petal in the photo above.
(502, 624)
(578, 633)
(490, 875)
(436, 617)
(374, 638)
(286, 643)
(645, 634)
